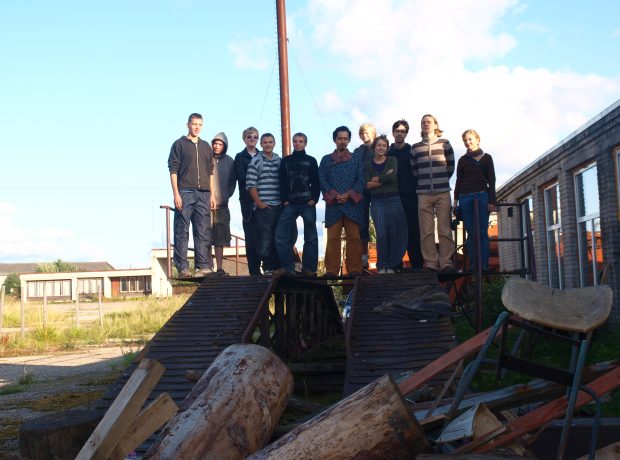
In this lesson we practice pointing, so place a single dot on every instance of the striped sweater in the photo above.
(433, 164)
(264, 175)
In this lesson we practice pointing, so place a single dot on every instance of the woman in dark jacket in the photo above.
(475, 179)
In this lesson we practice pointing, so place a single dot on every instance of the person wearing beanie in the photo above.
(224, 183)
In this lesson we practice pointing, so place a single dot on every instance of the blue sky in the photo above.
(94, 93)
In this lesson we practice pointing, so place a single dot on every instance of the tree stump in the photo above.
(372, 423)
(232, 410)
(57, 436)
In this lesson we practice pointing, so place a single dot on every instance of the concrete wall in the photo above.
(599, 142)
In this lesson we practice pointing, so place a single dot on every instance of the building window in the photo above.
(555, 245)
(588, 225)
(89, 285)
(135, 284)
(55, 288)
(527, 208)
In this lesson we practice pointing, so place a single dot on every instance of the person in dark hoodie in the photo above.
(242, 161)
(299, 191)
(224, 182)
(191, 175)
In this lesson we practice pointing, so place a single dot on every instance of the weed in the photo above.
(11, 389)
(140, 318)
(27, 378)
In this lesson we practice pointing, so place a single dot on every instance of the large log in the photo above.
(57, 436)
(232, 410)
(372, 423)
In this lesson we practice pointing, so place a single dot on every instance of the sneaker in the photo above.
(388, 271)
(221, 272)
(185, 273)
(267, 272)
(203, 272)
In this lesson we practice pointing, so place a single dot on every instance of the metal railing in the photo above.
(526, 251)
(169, 246)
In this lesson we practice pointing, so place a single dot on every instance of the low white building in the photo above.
(115, 283)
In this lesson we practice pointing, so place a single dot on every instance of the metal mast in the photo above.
(285, 111)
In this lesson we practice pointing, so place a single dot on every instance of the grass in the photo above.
(605, 346)
(136, 323)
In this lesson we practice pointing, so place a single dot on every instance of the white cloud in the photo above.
(331, 102)
(419, 52)
(615, 33)
(532, 27)
(252, 53)
(41, 243)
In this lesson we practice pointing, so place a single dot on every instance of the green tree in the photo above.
(12, 285)
(58, 265)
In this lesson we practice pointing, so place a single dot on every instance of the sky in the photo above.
(93, 94)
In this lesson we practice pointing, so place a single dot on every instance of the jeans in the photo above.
(196, 210)
(264, 226)
(466, 203)
(251, 254)
(414, 250)
(286, 235)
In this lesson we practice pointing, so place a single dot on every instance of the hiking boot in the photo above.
(203, 272)
(185, 273)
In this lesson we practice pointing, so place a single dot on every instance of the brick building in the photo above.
(573, 194)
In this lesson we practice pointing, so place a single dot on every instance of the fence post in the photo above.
(1, 304)
(22, 312)
(100, 307)
(45, 304)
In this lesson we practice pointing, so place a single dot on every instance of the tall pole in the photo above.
(285, 111)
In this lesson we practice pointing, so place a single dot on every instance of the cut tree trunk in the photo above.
(57, 436)
(372, 423)
(232, 410)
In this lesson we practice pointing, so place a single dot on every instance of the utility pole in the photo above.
(285, 115)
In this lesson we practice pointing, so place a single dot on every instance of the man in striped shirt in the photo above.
(263, 185)
(432, 161)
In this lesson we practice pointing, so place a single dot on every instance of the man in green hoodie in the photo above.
(224, 182)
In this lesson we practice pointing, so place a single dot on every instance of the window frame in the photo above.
(586, 218)
(556, 228)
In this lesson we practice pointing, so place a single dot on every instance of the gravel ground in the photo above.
(70, 375)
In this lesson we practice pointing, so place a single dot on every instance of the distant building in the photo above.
(573, 192)
(94, 277)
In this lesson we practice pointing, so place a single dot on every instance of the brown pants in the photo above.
(430, 207)
(333, 247)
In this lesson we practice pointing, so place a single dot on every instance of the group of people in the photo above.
(404, 188)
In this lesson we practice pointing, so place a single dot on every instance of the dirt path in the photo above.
(31, 386)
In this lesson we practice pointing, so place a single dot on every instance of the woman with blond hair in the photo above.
(475, 180)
